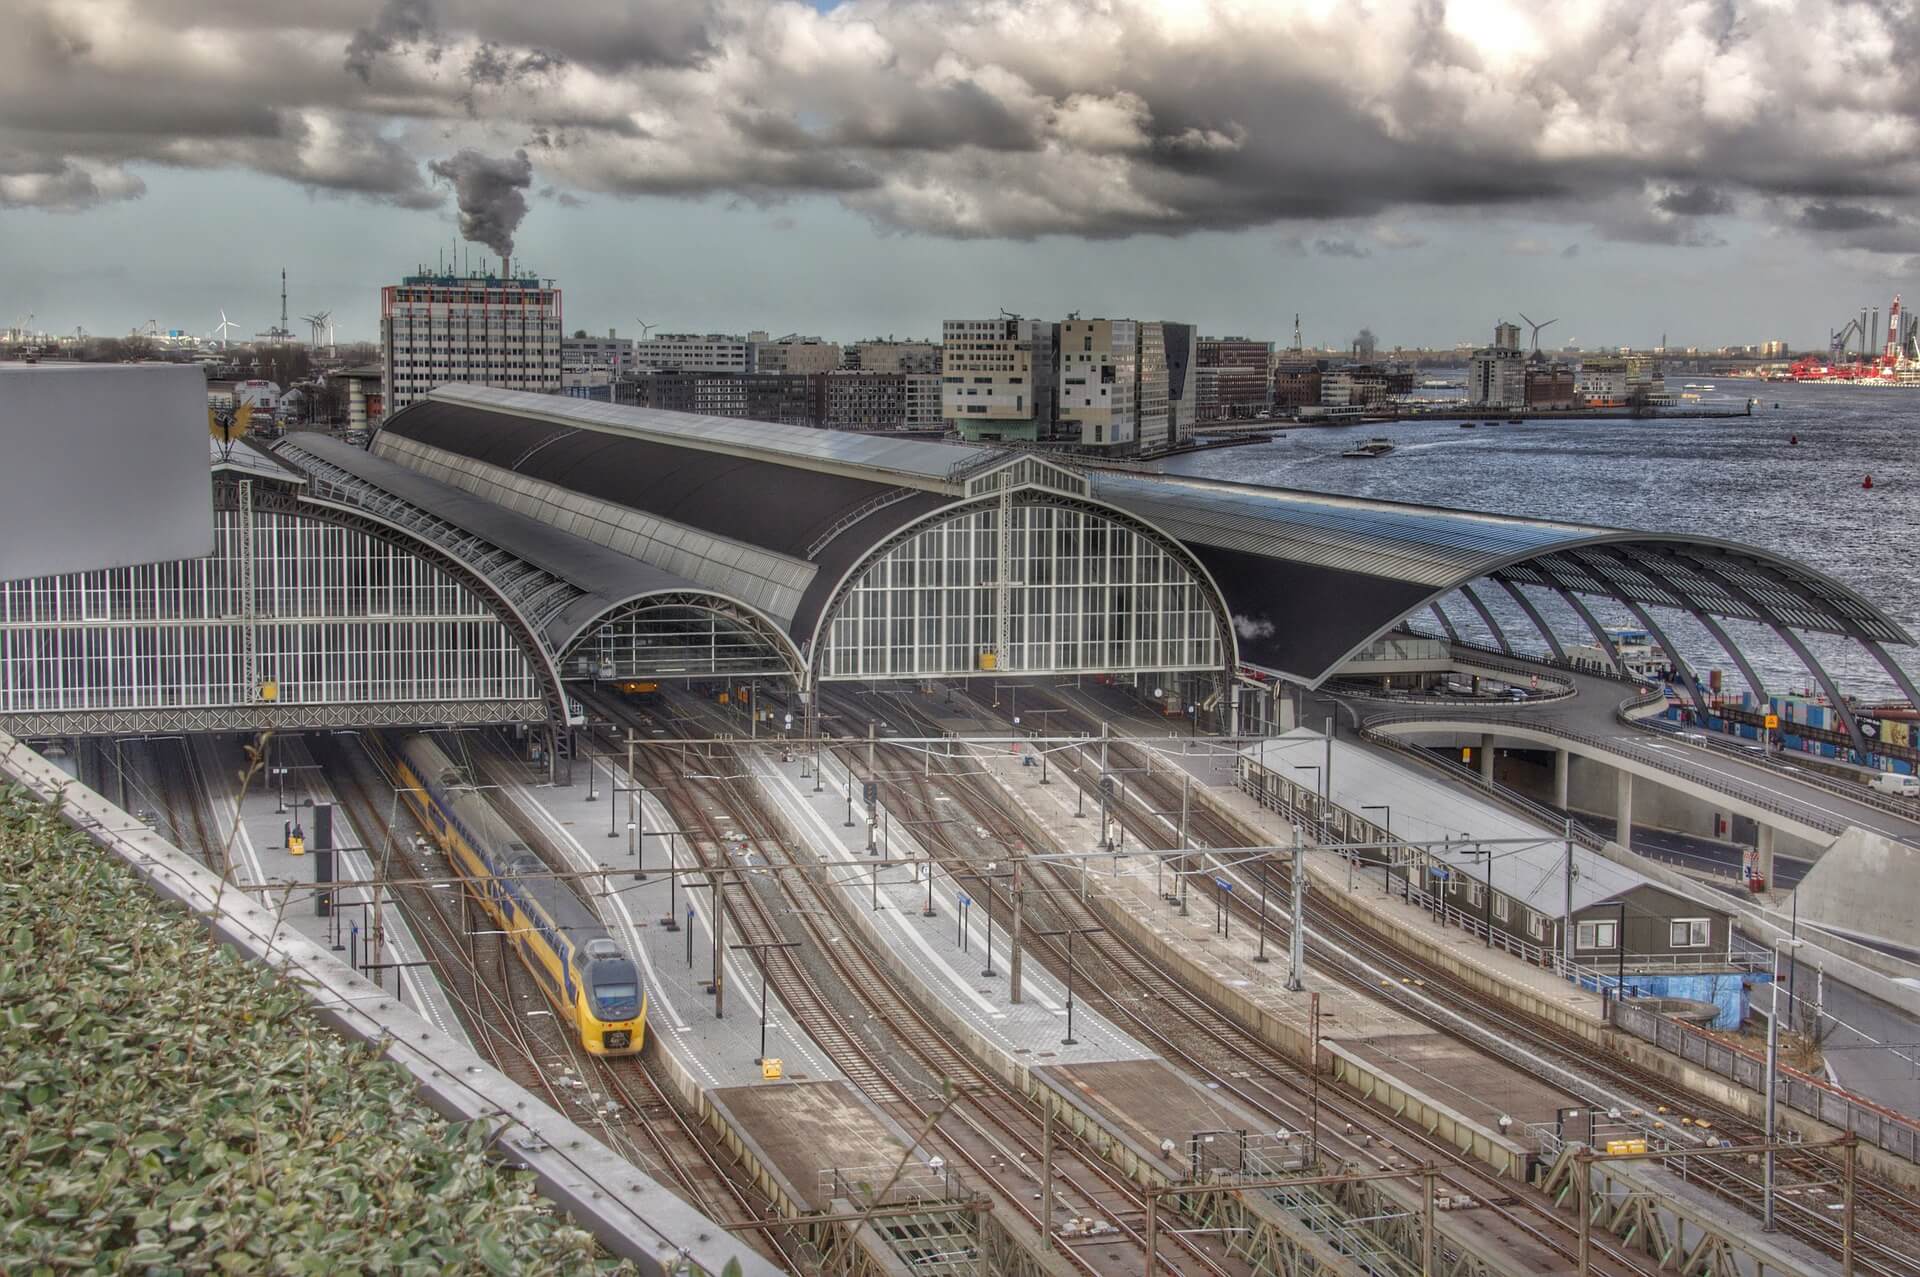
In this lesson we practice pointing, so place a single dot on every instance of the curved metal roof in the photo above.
(1311, 578)
(1307, 578)
(561, 582)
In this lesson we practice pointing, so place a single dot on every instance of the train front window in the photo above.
(615, 994)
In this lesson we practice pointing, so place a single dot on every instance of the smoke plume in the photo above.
(491, 193)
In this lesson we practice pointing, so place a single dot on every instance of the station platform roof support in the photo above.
(1311, 578)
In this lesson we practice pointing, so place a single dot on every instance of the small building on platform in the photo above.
(1521, 887)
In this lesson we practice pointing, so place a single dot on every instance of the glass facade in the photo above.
(339, 617)
(654, 638)
(1084, 594)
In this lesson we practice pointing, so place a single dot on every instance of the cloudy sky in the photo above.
(1721, 171)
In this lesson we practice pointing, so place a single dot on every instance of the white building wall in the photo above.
(477, 329)
(714, 352)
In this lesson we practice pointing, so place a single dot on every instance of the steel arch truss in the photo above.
(517, 623)
(991, 593)
(681, 633)
(1712, 583)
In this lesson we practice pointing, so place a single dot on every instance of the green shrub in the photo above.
(166, 1106)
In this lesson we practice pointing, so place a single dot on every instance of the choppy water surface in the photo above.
(1738, 479)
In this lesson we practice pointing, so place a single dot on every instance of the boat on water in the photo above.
(1466, 425)
(1516, 421)
(1371, 448)
(1492, 423)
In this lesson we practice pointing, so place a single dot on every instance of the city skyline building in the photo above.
(998, 378)
(495, 330)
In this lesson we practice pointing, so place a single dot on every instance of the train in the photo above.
(591, 981)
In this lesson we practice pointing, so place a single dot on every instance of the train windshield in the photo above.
(617, 1001)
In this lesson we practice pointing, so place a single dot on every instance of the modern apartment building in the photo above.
(692, 352)
(1100, 382)
(1497, 374)
(612, 352)
(924, 402)
(997, 378)
(1182, 379)
(760, 396)
(858, 400)
(796, 354)
(893, 356)
(491, 330)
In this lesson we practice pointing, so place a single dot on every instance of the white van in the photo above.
(1898, 785)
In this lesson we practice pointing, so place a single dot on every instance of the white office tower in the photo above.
(491, 330)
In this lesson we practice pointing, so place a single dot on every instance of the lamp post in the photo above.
(759, 951)
(1386, 855)
(1070, 933)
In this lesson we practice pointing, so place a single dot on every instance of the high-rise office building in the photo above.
(1239, 387)
(494, 330)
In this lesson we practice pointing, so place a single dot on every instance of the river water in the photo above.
(1739, 479)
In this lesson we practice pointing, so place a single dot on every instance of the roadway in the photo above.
(1589, 717)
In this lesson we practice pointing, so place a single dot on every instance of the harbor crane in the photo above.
(1838, 342)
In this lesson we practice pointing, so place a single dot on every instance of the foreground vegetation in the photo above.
(168, 1107)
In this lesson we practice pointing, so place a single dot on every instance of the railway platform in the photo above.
(810, 1135)
(1373, 1045)
(253, 828)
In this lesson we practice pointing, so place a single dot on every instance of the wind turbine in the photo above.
(1536, 329)
(220, 329)
(319, 324)
(645, 327)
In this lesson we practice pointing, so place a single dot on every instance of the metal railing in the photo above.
(1802, 1092)
(890, 497)
(1553, 662)
(1725, 744)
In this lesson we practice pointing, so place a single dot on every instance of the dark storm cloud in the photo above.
(399, 23)
(1843, 217)
(491, 193)
(1695, 201)
(1009, 118)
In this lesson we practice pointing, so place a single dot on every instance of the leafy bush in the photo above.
(166, 1106)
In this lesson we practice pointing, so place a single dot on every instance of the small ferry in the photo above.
(1371, 448)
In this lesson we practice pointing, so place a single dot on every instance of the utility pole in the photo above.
(1566, 919)
(1106, 732)
(1297, 939)
(633, 812)
(719, 945)
(1186, 789)
(1046, 1172)
(1019, 911)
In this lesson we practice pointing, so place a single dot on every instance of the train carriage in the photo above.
(579, 966)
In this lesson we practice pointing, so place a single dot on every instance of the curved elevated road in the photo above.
(1588, 723)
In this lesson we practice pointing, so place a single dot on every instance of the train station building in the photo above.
(492, 545)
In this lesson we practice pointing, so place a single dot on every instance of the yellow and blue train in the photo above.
(588, 978)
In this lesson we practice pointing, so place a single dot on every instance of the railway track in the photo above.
(988, 1126)
(623, 1099)
(1887, 1220)
(1212, 1046)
